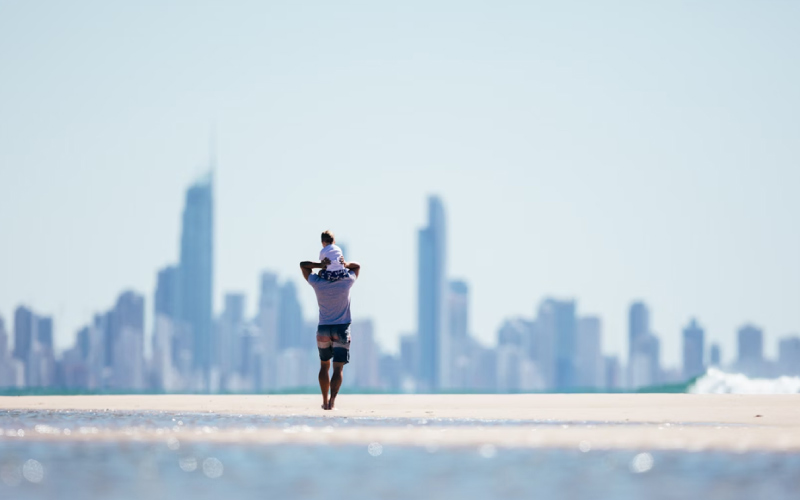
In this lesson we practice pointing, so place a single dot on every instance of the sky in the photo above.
(603, 151)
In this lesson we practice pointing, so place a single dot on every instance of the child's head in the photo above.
(328, 238)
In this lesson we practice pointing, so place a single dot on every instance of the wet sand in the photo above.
(597, 421)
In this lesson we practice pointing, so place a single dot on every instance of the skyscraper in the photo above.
(459, 360)
(230, 331)
(409, 359)
(789, 356)
(750, 350)
(267, 320)
(644, 348)
(559, 327)
(589, 353)
(23, 332)
(645, 365)
(290, 318)
(5, 357)
(3, 341)
(431, 316)
(458, 310)
(166, 300)
(693, 350)
(638, 324)
(44, 332)
(516, 371)
(33, 346)
(542, 347)
(612, 373)
(196, 269)
(365, 355)
(715, 355)
(128, 341)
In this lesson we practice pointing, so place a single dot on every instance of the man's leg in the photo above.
(336, 382)
(324, 382)
(325, 348)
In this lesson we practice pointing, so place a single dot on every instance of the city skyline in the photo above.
(557, 349)
(198, 211)
(568, 139)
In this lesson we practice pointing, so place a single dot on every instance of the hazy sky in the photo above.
(607, 151)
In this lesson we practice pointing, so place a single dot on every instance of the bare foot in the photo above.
(330, 405)
(325, 406)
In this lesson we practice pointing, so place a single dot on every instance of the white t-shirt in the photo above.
(333, 252)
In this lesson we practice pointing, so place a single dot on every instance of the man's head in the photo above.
(328, 238)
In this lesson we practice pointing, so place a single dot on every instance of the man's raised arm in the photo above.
(307, 266)
(353, 266)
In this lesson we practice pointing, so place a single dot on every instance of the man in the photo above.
(333, 332)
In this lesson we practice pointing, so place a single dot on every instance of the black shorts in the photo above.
(333, 341)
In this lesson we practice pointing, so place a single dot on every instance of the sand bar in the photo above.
(599, 421)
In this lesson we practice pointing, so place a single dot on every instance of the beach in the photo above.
(736, 423)
(614, 446)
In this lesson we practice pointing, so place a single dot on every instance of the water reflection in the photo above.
(34, 470)
(15, 423)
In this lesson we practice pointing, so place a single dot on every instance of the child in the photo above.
(335, 270)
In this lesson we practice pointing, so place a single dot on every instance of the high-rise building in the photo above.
(166, 299)
(715, 355)
(83, 342)
(693, 350)
(638, 325)
(268, 305)
(409, 361)
(128, 341)
(365, 355)
(644, 349)
(434, 345)
(170, 344)
(645, 365)
(267, 321)
(24, 320)
(44, 332)
(750, 350)
(5, 357)
(556, 330)
(516, 371)
(458, 331)
(589, 353)
(458, 310)
(196, 271)
(789, 356)
(542, 348)
(3, 342)
(613, 373)
(290, 319)
(230, 329)
(33, 347)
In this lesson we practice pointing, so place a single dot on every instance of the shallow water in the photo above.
(90, 470)
(56, 422)
(166, 466)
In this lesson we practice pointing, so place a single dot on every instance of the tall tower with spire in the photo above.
(196, 269)
(434, 345)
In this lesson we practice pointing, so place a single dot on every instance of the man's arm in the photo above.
(353, 266)
(307, 266)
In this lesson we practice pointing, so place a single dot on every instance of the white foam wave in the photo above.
(718, 382)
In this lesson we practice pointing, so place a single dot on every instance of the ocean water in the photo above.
(38, 460)
(716, 381)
